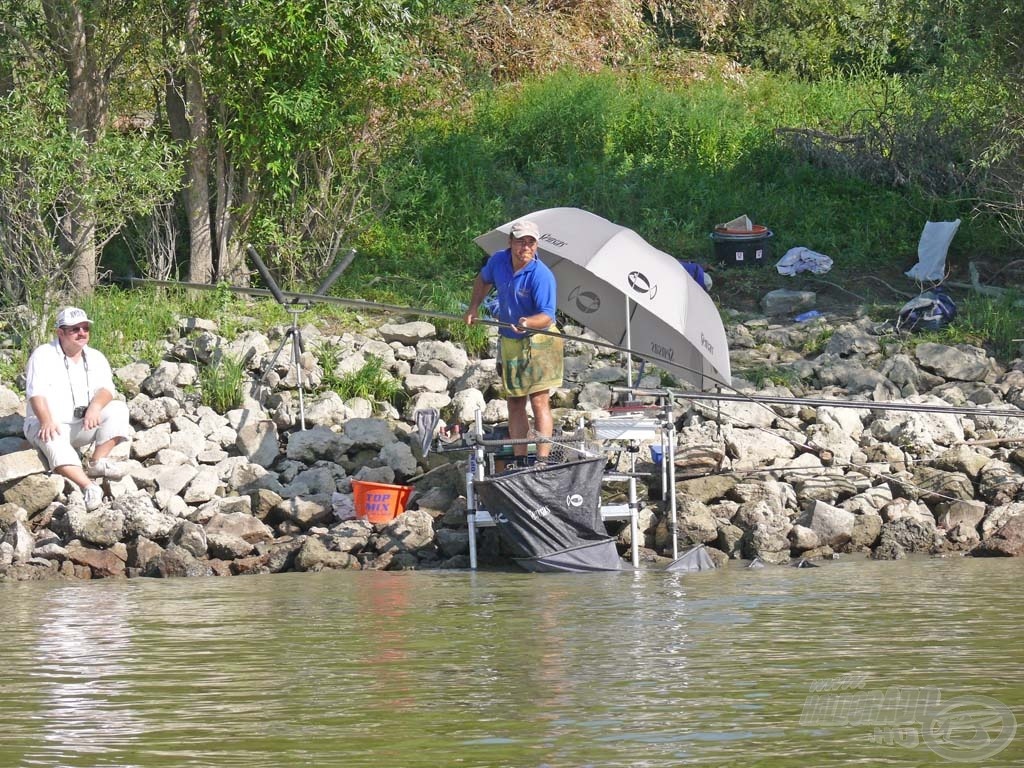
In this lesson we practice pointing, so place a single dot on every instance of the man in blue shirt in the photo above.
(531, 364)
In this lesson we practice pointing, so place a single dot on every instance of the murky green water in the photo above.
(770, 667)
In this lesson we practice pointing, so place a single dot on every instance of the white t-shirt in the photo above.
(64, 383)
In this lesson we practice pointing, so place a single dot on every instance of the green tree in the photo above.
(68, 182)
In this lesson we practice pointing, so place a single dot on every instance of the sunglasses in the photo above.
(76, 328)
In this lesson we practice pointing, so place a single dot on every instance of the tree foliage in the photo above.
(268, 121)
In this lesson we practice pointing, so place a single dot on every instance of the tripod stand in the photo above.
(293, 334)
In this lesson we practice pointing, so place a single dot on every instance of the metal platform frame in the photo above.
(629, 426)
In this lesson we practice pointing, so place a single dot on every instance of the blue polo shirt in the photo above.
(520, 294)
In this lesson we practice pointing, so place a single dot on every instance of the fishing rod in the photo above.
(289, 298)
(297, 298)
(816, 402)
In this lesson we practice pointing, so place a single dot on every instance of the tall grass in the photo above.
(667, 160)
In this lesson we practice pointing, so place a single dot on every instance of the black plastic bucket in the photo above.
(741, 249)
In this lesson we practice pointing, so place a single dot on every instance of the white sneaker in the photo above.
(93, 497)
(108, 468)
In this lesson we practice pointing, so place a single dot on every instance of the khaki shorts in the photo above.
(532, 364)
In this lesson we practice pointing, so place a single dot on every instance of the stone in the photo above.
(1007, 541)
(176, 561)
(239, 525)
(314, 555)
(258, 441)
(961, 362)
(35, 493)
(103, 563)
(19, 464)
(833, 526)
(786, 302)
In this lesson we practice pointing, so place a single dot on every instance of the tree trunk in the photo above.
(198, 192)
(231, 262)
(70, 35)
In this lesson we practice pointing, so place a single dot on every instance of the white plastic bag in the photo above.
(932, 249)
(802, 259)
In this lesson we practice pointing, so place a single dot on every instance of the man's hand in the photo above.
(93, 416)
(48, 430)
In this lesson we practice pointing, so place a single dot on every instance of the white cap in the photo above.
(72, 316)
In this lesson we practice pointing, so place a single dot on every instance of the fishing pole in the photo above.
(376, 306)
(814, 402)
(735, 395)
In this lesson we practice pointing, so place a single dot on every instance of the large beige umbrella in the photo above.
(613, 282)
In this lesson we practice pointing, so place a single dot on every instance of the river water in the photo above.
(911, 663)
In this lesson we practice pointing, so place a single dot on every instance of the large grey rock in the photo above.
(440, 357)
(103, 527)
(18, 464)
(227, 546)
(754, 447)
(146, 412)
(34, 493)
(175, 478)
(961, 362)
(258, 441)
(934, 485)
(306, 512)
(952, 514)
(399, 457)
(149, 442)
(142, 518)
(21, 540)
(832, 525)
(768, 545)
(695, 523)
(466, 403)
(411, 532)
(962, 458)
(415, 383)
(1000, 482)
(369, 433)
(317, 443)
(176, 561)
(315, 556)
(786, 302)
(911, 534)
(1007, 541)
(327, 410)
(191, 537)
(850, 339)
(905, 374)
(408, 333)
(243, 526)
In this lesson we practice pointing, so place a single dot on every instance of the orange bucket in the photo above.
(379, 502)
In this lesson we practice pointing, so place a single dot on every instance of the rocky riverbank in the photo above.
(248, 491)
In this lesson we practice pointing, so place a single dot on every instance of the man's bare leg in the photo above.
(542, 420)
(518, 424)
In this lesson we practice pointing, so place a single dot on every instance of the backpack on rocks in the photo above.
(929, 311)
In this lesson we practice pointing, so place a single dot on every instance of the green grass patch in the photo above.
(220, 384)
(371, 382)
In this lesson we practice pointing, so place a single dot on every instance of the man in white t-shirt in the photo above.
(70, 391)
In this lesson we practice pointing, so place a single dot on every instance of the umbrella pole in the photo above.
(629, 343)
